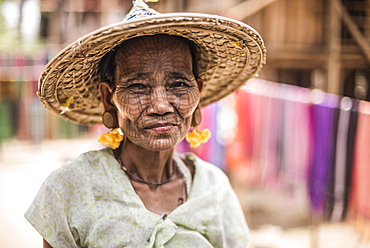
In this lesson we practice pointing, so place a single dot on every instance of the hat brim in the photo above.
(230, 53)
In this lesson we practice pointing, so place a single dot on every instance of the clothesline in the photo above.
(293, 139)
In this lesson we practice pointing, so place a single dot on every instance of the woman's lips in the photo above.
(161, 128)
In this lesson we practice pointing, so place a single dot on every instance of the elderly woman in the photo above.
(155, 72)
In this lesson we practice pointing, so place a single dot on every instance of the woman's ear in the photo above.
(109, 117)
(106, 94)
(200, 83)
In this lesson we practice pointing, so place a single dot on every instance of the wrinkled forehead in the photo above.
(154, 42)
(162, 52)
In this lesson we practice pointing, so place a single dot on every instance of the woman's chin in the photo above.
(160, 145)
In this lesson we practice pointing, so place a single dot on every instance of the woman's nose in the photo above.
(159, 102)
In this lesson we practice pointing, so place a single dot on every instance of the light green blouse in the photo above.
(90, 202)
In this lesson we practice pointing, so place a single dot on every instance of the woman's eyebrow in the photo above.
(177, 74)
(134, 76)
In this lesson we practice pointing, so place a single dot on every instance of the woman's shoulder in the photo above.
(198, 162)
(86, 160)
(205, 169)
(82, 167)
(209, 181)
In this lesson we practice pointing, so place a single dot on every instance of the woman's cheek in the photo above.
(129, 106)
(187, 103)
(187, 112)
(190, 110)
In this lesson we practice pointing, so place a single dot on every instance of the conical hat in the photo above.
(230, 52)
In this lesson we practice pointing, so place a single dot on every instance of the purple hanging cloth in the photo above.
(324, 124)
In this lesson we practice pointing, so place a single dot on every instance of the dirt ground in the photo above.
(24, 166)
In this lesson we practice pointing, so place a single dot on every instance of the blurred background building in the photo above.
(321, 44)
(290, 138)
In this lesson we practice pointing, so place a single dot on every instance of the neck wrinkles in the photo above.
(151, 166)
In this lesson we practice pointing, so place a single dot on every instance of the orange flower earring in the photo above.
(114, 137)
(196, 136)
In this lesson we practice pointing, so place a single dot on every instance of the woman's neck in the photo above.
(150, 166)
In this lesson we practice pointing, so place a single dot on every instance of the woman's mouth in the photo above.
(161, 128)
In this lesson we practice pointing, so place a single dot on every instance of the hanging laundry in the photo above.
(324, 123)
(338, 195)
(295, 142)
(239, 151)
(360, 199)
(214, 151)
(257, 108)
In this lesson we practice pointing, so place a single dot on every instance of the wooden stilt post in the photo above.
(334, 64)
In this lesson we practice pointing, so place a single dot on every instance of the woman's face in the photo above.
(156, 92)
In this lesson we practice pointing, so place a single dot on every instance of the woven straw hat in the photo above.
(230, 53)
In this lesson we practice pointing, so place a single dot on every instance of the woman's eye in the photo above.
(136, 86)
(179, 84)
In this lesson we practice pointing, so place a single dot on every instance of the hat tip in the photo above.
(140, 9)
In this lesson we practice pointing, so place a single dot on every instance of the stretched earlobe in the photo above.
(197, 117)
(109, 118)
